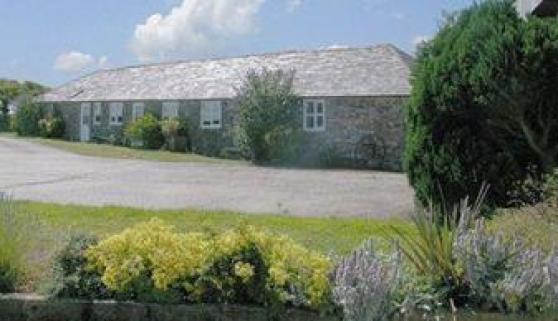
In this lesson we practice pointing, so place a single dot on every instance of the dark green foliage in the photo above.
(8, 277)
(484, 95)
(52, 126)
(4, 122)
(71, 278)
(26, 122)
(147, 131)
(268, 113)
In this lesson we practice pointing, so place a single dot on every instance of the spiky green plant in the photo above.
(430, 249)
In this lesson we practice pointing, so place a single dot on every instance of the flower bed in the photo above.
(153, 263)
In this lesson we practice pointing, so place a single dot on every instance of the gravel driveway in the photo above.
(34, 172)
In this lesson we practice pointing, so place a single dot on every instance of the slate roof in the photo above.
(542, 8)
(381, 70)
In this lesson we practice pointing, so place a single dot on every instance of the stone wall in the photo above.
(36, 308)
(365, 132)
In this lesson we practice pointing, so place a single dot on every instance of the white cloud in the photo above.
(293, 5)
(420, 39)
(335, 46)
(75, 61)
(194, 26)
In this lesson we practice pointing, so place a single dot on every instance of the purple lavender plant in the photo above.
(364, 284)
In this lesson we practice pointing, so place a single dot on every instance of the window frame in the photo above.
(213, 111)
(315, 115)
(173, 106)
(97, 113)
(136, 108)
(116, 109)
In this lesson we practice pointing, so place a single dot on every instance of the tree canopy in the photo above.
(11, 89)
(484, 105)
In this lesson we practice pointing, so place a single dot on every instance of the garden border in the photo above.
(30, 307)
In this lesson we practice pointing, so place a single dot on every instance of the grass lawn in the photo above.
(111, 151)
(327, 235)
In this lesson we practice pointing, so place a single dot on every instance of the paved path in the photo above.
(35, 172)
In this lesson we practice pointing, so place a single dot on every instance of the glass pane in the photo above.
(320, 121)
(309, 122)
(320, 108)
(310, 108)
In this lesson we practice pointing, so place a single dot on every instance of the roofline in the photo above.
(215, 98)
(275, 53)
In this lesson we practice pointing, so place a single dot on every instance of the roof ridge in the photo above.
(264, 54)
(405, 57)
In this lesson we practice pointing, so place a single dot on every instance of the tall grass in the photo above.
(18, 233)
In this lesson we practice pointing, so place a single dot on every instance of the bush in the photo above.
(71, 278)
(483, 107)
(52, 126)
(145, 131)
(268, 114)
(365, 284)
(238, 266)
(284, 145)
(26, 122)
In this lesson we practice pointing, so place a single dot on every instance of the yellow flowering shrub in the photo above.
(242, 265)
(149, 248)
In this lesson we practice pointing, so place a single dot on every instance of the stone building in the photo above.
(352, 111)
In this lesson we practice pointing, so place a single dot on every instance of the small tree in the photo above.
(484, 105)
(268, 113)
(26, 122)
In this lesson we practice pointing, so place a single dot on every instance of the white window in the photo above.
(116, 113)
(314, 115)
(211, 114)
(138, 110)
(97, 113)
(170, 109)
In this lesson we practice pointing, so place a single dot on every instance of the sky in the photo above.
(55, 41)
